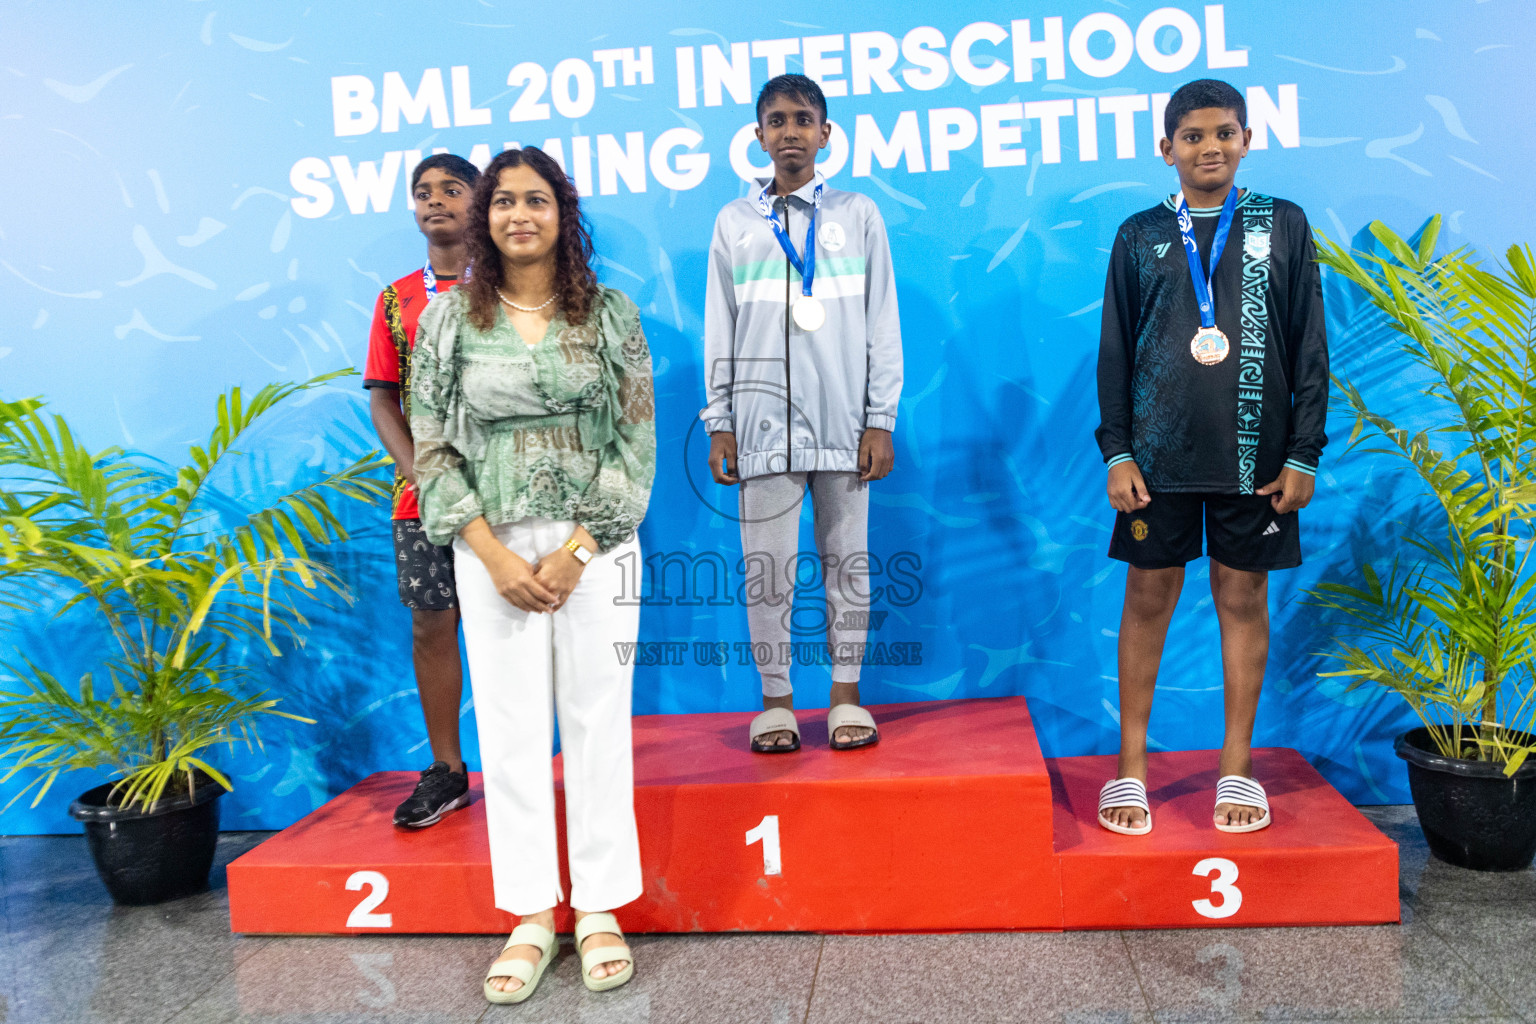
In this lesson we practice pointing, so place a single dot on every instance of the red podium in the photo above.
(953, 822)
(1319, 862)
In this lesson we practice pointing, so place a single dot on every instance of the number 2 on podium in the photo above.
(362, 915)
(767, 831)
(1231, 896)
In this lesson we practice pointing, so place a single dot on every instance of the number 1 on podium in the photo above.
(767, 831)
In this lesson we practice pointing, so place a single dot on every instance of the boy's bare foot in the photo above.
(1239, 763)
(531, 954)
(852, 734)
(1132, 766)
(1237, 814)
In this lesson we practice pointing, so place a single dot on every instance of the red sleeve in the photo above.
(383, 367)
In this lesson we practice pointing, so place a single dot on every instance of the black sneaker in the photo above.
(438, 792)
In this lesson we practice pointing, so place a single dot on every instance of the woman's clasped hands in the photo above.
(542, 586)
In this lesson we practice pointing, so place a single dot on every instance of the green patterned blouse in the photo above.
(562, 430)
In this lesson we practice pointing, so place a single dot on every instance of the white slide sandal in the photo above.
(842, 716)
(529, 974)
(774, 720)
(1239, 789)
(1125, 793)
(606, 924)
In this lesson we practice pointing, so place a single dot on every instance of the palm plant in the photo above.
(1454, 630)
(172, 581)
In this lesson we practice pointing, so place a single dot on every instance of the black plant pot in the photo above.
(149, 858)
(1473, 815)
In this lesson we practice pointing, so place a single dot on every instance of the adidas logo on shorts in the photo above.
(1273, 527)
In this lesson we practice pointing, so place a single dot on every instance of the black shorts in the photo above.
(424, 570)
(1242, 531)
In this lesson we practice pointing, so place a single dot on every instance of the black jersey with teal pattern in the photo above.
(1230, 427)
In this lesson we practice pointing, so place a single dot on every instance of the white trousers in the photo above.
(522, 668)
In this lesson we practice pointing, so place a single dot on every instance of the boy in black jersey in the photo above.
(1213, 385)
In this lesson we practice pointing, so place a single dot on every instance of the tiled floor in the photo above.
(1466, 951)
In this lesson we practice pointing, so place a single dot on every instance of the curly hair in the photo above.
(575, 281)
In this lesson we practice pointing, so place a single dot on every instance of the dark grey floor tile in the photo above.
(51, 880)
(1392, 818)
(1174, 1019)
(700, 979)
(139, 964)
(1498, 942)
(1423, 877)
(111, 974)
(7, 961)
(4, 887)
(1435, 881)
(383, 979)
(53, 884)
(178, 961)
(1390, 972)
(1078, 978)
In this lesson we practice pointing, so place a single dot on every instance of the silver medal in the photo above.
(809, 313)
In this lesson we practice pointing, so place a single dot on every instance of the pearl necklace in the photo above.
(523, 309)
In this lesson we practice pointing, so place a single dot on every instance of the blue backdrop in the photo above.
(207, 195)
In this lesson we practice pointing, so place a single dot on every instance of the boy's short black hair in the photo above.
(798, 86)
(456, 166)
(1198, 95)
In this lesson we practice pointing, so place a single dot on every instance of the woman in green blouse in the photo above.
(533, 415)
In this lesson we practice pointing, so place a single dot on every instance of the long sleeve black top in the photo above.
(1231, 427)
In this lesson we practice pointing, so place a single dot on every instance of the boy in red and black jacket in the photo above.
(441, 187)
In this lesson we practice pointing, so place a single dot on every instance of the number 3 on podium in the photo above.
(1231, 896)
(767, 831)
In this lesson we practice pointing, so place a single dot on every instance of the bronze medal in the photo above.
(1210, 346)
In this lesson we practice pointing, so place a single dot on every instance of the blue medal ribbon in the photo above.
(429, 279)
(1205, 284)
(807, 267)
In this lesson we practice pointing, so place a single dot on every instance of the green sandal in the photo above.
(529, 974)
(605, 924)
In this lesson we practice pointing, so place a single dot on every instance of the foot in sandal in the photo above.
(1119, 796)
(1241, 803)
(606, 961)
(846, 737)
(1129, 819)
(766, 737)
(517, 971)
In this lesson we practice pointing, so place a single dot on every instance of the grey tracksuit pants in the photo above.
(770, 536)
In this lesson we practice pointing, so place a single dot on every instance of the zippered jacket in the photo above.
(799, 401)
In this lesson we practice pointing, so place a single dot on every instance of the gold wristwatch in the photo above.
(576, 548)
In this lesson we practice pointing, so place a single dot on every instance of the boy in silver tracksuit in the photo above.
(802, 359)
